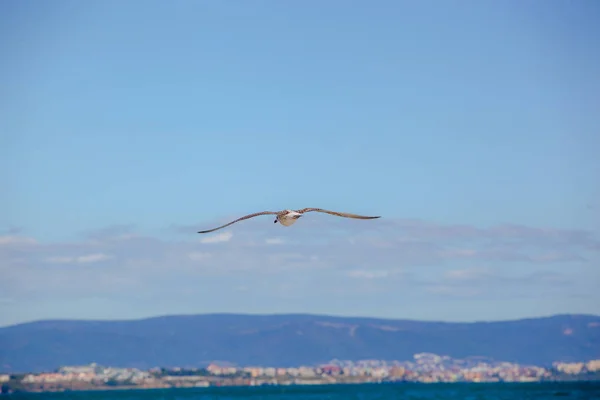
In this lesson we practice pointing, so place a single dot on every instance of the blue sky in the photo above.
(470, 126)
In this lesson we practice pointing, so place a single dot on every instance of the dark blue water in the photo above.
(458, 391)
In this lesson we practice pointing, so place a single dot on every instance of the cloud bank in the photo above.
(334, 259)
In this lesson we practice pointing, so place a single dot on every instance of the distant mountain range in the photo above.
(289, 340)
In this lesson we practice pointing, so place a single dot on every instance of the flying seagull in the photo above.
(288, 217)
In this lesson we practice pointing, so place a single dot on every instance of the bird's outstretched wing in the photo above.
(339, 214)
(240, 219)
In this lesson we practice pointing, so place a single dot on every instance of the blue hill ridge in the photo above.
(289, 340)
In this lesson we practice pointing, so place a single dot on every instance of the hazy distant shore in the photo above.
(428, 369)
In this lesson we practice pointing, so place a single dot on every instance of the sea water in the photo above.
(405, 391)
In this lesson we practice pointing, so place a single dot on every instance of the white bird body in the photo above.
(289, 217)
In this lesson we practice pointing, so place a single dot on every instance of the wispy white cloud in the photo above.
(465, 274)
(16, 240)
(92, 258)
(86, 259)
(60, 260)
(199, 256)
(274, 241)
(218, 238)
(477, 280)
(365, 274)
(112, 232)
(449, 290)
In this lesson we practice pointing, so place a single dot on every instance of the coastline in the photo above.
(253, 383)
